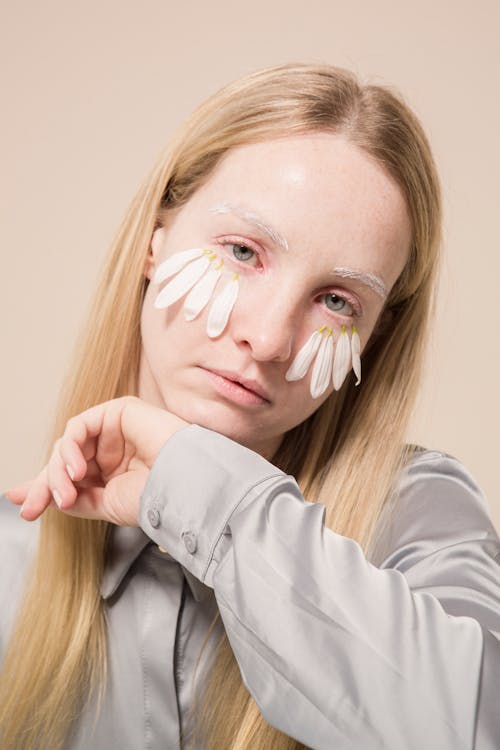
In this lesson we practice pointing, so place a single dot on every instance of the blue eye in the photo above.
(338, 304)
(242, 255)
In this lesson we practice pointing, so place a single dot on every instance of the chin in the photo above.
(227, 427)
(242, 427)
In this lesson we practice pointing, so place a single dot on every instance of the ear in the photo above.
(154, 252)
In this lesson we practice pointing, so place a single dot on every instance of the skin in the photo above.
(335, 208)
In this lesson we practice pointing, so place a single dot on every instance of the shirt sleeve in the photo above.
(18, 543)
(335, 650)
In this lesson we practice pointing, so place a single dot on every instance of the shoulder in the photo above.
(438, 503)
(18, 541)
(439, 482)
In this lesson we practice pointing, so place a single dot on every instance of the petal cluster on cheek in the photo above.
(176, 262)
(342, 361)
(305, 356)
(196, 273)
(322, 370)
(200, 294)
(356, 354)
(330, 364)
(221, 308)
(182, 282)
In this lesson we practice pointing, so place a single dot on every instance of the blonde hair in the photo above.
(347, 455)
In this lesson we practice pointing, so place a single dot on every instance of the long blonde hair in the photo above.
(347, 455)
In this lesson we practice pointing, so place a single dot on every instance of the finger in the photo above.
(95, 434)
(38, 498)
(80, 438)
(76, 464)
(111, 445)
(58, 480)
(17, 494)
(88, 504)
(93, 476)
(117, 503)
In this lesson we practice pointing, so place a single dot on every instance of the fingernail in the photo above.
(70, 471)
(21, 511)
(57, 498)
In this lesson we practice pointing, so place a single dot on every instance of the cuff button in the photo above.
(190, 541)
(154, 517)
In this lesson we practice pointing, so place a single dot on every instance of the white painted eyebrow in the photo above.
(252, 218)
(369, 279)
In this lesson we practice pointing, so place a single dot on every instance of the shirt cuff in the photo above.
(199, 480)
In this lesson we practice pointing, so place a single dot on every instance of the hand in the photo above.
(99, 467)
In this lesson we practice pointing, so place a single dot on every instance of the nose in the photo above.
(267, 326)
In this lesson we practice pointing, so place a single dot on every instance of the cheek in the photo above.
(299, 410)
(165, 334)
(299, 402)
(151, 319)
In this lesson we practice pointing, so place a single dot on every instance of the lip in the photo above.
(241, 386)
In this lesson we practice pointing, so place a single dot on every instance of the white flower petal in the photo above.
(221, 308)
(322, 370)
(342, 361)
(201, 292)
(304, 357)
(356, 357)
(175, 263)
(182, 283)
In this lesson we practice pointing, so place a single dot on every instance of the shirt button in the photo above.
(190, 542)
(154, 517)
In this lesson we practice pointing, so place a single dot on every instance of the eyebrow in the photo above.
(370, 280)
(252, 218)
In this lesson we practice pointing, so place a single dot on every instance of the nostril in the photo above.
(272, 345)
(268, 330)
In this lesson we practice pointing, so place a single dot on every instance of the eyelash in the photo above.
(239, 243)
(356, 309)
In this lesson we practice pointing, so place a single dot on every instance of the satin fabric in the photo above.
(339, 652)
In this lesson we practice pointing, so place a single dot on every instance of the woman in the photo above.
(237, 548)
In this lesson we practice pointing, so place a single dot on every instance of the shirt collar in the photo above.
(126, 543)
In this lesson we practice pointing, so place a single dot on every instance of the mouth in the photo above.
(237, 388)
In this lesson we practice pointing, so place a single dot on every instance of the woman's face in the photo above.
(309, 211)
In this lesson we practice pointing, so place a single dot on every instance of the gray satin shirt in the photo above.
(399, 652)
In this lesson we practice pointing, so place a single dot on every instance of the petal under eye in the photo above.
(338, 304)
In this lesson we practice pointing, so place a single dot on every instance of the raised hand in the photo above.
(99, 466)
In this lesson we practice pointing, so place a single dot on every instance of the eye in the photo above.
(339, 304)
(242, 252)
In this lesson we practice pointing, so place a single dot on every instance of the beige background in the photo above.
(91, 92)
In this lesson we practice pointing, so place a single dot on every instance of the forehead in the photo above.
(319, 192)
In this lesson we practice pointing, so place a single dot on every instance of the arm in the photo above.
(335, 650)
